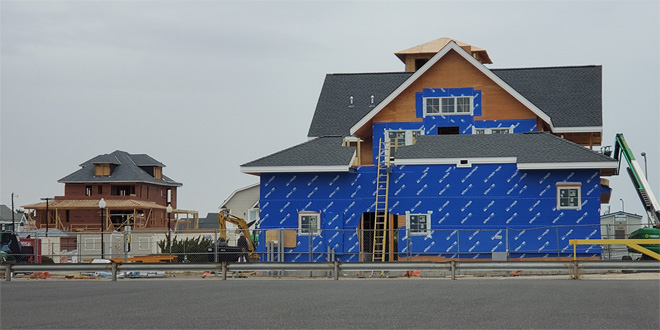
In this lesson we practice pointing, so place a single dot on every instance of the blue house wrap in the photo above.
(471, 210)
(469, 194)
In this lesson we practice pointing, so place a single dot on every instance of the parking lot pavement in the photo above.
(257, 303)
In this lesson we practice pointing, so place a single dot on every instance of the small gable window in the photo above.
(450, 105)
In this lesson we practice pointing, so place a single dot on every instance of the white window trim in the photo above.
(428, 224)
(569, 185)
(316, 232)
(469, 113)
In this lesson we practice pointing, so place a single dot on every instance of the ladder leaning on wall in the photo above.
(381, 211)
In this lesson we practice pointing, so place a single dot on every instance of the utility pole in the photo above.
(13, 222)
(47, 212)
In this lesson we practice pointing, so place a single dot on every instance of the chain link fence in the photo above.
(327, 245)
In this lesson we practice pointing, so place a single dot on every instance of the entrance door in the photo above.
(366, 237)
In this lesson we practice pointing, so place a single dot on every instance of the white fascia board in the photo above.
(353, 139)
(585, 129)
(292, 169)
(454, 161)
(451, 45)
(353, 159)
(565, 166)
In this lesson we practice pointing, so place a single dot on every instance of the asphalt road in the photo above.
(488, 303)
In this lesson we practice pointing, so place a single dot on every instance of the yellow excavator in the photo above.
(243, 227)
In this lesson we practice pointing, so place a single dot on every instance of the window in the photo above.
(88, 190)
(253, 214)
(100, 189)
(158, 172)
(449, 130)
(420, 62)
(101, 169)
(498, 130)
(418, 224)
(448, 105)
(620, 233)
(403, 138)
(308, 223)
(569, 196)
(123, 190)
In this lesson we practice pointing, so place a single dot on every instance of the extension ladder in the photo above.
(381, 212)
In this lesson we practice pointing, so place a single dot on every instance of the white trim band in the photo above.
(292, 169)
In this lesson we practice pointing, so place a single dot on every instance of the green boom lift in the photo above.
(643, 191)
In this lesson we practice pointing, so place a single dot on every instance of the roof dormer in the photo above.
(104, 164)
(415, 57)
(102, 169)
(154, 171)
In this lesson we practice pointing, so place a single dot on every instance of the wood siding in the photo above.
(453, 71)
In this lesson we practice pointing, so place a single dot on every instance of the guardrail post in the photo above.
(8, 272)
(336, 270)
(453, 269)
(575, 269)
(114, 272)
(224, 270)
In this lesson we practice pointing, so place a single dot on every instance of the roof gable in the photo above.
(451, 46)
(247, 190)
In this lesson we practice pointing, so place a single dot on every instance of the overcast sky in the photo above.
(206, 86)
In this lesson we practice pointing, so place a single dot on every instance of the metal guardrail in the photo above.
(574, 268)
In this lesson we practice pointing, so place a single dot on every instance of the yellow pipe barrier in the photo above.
(631, 243)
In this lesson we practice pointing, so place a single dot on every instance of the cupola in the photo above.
(415, 57)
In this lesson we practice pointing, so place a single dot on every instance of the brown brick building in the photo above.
(133, 187)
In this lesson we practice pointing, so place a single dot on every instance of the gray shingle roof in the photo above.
(127, 169)
(104, 159)
(334, 114)
(324, 151)
(6, 212)
(211, 221)
(527, 147)
(571, 96)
